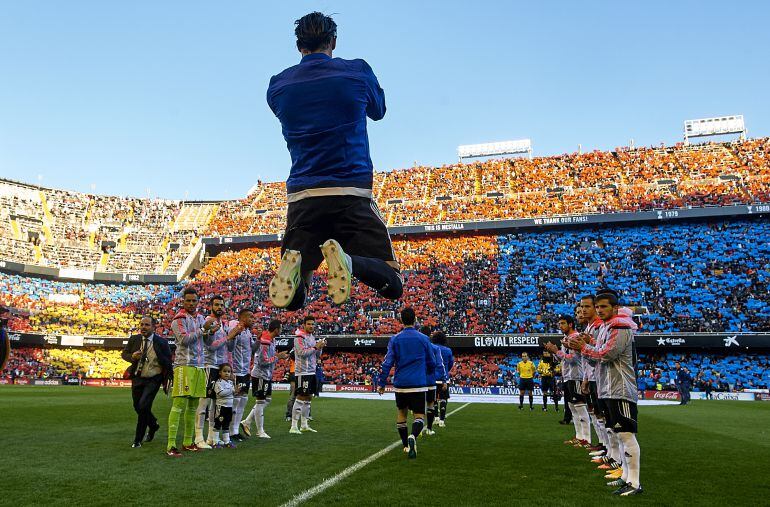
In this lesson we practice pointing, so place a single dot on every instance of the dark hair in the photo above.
(222, 366)
(244, 310)
(569, 319)
(314, 31)
(408, 317)
(610, 297)
(216, 296)
(425, 330)
(274, 324)
(308, 318)
(189, 290)
(439, 337)
(607, 291)
(589, 296)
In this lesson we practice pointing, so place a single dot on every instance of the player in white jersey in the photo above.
(240, 347)
(264, 361)
(572, 374)
(615, 353)
(214, 355)
(592, 323)
(306, 353)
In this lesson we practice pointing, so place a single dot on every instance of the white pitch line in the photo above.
(328, 483)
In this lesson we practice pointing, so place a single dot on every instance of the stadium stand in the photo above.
(702, 277)
(59, 228)
(655, 372)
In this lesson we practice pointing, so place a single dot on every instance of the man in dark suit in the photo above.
(150, 358)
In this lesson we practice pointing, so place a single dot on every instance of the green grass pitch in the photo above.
(61, 445)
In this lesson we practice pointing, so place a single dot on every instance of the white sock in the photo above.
(584, 422)
(296, 412)
(259, 416)
(239, 404)
(200, 416)
(212, 414)
(249, 418)
(614, 446)
(601, 430)
(215, 435)
(226, 437)
(631, 446)
(305, 414)
(624, 460)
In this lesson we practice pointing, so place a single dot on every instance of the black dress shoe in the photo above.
(151, 433)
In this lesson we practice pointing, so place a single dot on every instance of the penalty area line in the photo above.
(331, 481)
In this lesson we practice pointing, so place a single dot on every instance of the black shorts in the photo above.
(572, 393)
(430, 396)
(223, 416)
(414, 401)
(621, 416)
(441, 393)
(355, 222)
(242, 384)
(261, 388)
(307, 385)
(600, 411)
(212, 375)
(547, 385)
(593, 398)
(526, 384)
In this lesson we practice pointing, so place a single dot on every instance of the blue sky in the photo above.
(168, 96)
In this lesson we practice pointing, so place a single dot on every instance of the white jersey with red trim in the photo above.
(571, 362)
(614, 355)
(589, 365)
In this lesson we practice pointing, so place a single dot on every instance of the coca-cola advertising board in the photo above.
(662, 395)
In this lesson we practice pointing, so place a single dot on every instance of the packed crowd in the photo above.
(33, 362)
(594, 182)
(74, 229)
(705, 277)
(729, 373)
(710, 372)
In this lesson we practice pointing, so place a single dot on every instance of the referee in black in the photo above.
(150, 358)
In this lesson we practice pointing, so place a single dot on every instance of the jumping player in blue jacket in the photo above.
(322, 104)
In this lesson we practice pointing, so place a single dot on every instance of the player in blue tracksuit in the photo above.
(410, 352)
(442, 389)
(434, 379)
(323, 104)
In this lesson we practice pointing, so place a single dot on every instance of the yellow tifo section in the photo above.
(61, 319)
(94, 363)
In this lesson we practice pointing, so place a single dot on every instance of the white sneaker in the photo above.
(262, 434)
(406, 449)
(295, 431)
(441, 423)
(597, 453)
(340, 271)
(202, 445)
(428, 432)
(412, 451)
(308, 428)
(286, 280)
